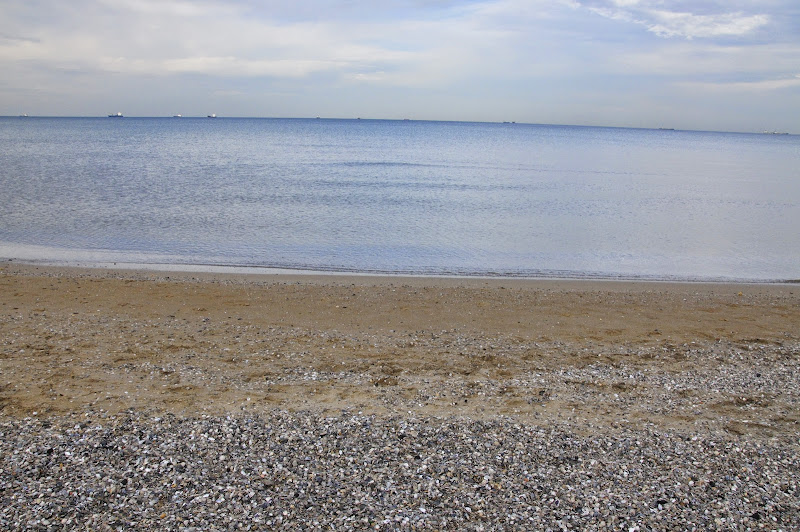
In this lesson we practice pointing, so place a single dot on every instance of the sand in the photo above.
(596, 354)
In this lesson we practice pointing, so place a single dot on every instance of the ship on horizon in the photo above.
(118, 115)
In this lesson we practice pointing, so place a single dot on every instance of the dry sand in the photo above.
(595, 354)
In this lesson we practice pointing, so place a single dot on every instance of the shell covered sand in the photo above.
(171, 401)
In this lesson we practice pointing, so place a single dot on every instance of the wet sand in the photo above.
(596, 354)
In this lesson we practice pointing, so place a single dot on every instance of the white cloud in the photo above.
(457, 59)
(235, 66)
(170, 8)
(676, 23)
(766, 85)
(692, 59)
(671, 24)
(149, 37)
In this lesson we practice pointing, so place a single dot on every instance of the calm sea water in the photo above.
(401, 197)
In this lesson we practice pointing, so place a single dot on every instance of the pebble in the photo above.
(306, 470)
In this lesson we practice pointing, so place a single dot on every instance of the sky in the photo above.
(730, 65)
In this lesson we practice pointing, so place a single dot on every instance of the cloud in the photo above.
(677, 23)
(670, 24)
(434, 44)
(160, 38)
(170, 8)
(692, 59)
(765, 85)
(561, 60)
(234, 66)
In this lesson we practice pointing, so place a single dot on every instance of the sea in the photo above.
(402, 197)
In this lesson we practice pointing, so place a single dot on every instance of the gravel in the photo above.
(305, 470)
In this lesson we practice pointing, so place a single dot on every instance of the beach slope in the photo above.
(432, 402)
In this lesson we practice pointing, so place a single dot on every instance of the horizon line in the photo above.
(358, 118)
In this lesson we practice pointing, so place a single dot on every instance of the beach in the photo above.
(261, 401)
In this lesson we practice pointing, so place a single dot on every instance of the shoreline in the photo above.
(266, 272)
(163, 401)
(38, 258)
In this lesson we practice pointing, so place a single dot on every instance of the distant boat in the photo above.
(24, 115)
(118, 115)
(176, 116)
(775, 133)
(213, 115)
